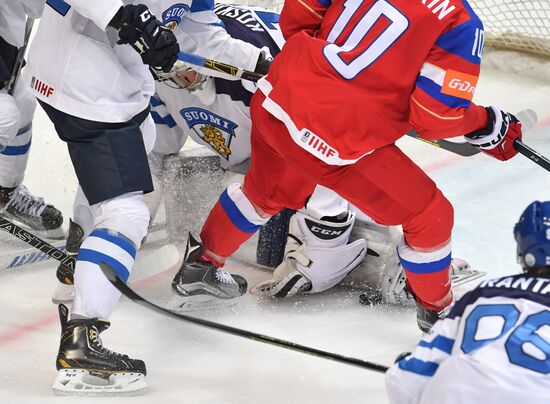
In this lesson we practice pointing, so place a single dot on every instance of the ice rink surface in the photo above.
(188, 364)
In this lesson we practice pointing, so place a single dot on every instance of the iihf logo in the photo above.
(305, 136)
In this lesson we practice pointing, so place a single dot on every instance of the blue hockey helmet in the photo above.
(532, 234)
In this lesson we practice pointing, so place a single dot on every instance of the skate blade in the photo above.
(63, 294)
(182, 304)
(80, 382)
(461, 279)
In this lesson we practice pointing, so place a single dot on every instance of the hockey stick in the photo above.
(532, 154)
(528, 117)
(165, 257)
(462, 149)
(129, 293)
(218, 66)
(20, 59)
(37, 242)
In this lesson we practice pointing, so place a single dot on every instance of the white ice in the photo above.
(188, 364)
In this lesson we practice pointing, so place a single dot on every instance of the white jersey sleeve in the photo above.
(13, 16)
(496, 338)
(75, 65)
(101, 12)
(200, 31)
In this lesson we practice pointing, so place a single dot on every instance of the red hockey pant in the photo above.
(385, 184)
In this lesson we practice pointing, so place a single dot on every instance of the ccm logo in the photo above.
(325, 232)
(460, 85)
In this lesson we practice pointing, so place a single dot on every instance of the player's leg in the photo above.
(112, 169)
(393, 190)
(269, 185)
(16, 202)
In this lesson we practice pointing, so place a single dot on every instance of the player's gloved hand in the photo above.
(497, 139)
(156, 44)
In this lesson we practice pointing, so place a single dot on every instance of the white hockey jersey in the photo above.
(225, 124)
(492, 348)
(75, 66)
(13, 16)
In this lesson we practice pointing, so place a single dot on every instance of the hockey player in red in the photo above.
(354, 76)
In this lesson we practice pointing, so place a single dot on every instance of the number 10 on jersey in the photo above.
(398, 25)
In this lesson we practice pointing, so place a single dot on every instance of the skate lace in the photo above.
(225, 277)
(25, 202)
(98, 344)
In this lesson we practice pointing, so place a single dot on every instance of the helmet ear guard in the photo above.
(532, 234)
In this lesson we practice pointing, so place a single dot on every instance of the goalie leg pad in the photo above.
(317, 257)
(272, 239)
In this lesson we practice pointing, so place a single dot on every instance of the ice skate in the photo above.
(425, 318)
(394, 287)
(64, 292)
(200, 281)
(86, 367)
(19, 205)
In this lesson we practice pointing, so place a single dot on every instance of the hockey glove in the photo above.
(156, 44)
(497, 139)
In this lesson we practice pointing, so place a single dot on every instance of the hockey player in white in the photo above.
(494, 345)
(88, 68)
(16, 113)
(214, 112)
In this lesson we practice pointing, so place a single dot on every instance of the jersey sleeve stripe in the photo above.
(201, 5)
(433, 73)
(434, 90)
(168, 120)
(440, 342)
(429, 111)
(458, 41)
(417, 366)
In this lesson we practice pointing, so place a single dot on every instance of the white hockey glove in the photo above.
(317, 257)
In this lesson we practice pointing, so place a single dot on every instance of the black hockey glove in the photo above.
(263, 64)
(156, 44)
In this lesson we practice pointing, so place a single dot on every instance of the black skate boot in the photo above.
(425, 318)
(64, 292)
(85, 367)
(20, 205)
(201, 281)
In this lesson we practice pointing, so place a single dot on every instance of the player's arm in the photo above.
(136, 26)
(302, 15)
(204, 34)
(407, 379)
(441, 104)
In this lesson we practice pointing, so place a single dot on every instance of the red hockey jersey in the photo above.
(355, 75)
